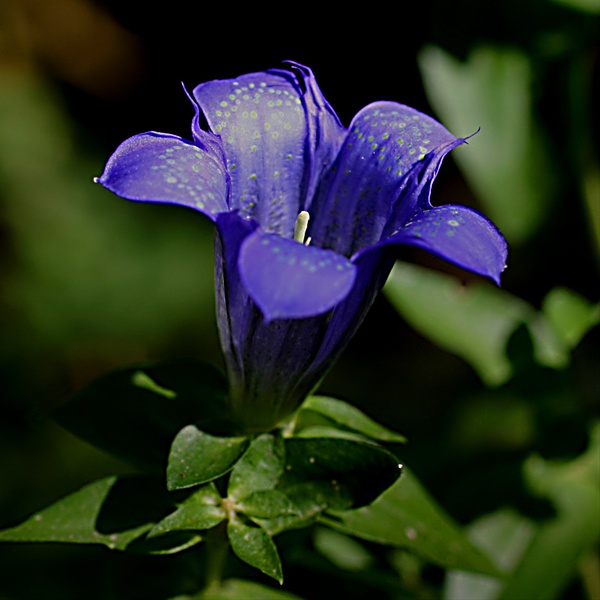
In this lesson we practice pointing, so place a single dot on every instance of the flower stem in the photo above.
(217, 548)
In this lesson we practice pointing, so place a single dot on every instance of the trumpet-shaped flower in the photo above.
(308, 216)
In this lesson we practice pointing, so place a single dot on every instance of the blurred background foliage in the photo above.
(496, 389)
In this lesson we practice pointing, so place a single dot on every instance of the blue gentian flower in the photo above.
(274, 154)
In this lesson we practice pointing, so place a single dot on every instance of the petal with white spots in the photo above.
(459, 235)
(289, 280)
(384, 144)
(262, 123)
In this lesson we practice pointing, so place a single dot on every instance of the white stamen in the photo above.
(301, 227)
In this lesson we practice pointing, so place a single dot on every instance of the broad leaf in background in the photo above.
(587, 6)
(570, 314)
(507, 167)
(406, 516)
(342, 550)
(591, 193)
(473, 322)
(135, 412)
(88, 275)
(560, 544)
(539, 559)
(503, 535)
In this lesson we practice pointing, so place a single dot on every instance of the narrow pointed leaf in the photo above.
(197, 457)
(324, 431)
(171, 543)
(406, 516)
(348, 416)
(113, 512)
(253, 545)
(201, 510)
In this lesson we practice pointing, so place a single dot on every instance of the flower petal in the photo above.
(385, 143)
(204, 139)
(459, 235)
(372, 270)
(416, 188)
(235, 311)
(262, 123)
(267, 362)
(158, 167)
(289, 280)
(326, 133)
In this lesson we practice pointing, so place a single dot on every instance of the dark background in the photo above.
(89, 282)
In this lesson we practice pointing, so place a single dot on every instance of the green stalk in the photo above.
(217, 548)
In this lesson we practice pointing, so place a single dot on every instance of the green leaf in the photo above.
(587, 6)
(135, 412)
(266, 504)
(197, 457)
(559, 544)
(330, 473)
(539, 559)
(200, 510)
(349, 416)
(474, 322)
(590, 192)
(345, 472)
(252, 544)
(492, 90)
(239, 589)
(112, 511)
(570, 314)
(260, 467)
(307, 509)
(323, 431)
(343, 551)
(170, 543)
(406, 516)
(503, 535)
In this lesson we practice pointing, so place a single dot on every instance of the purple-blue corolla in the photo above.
(291, 292)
